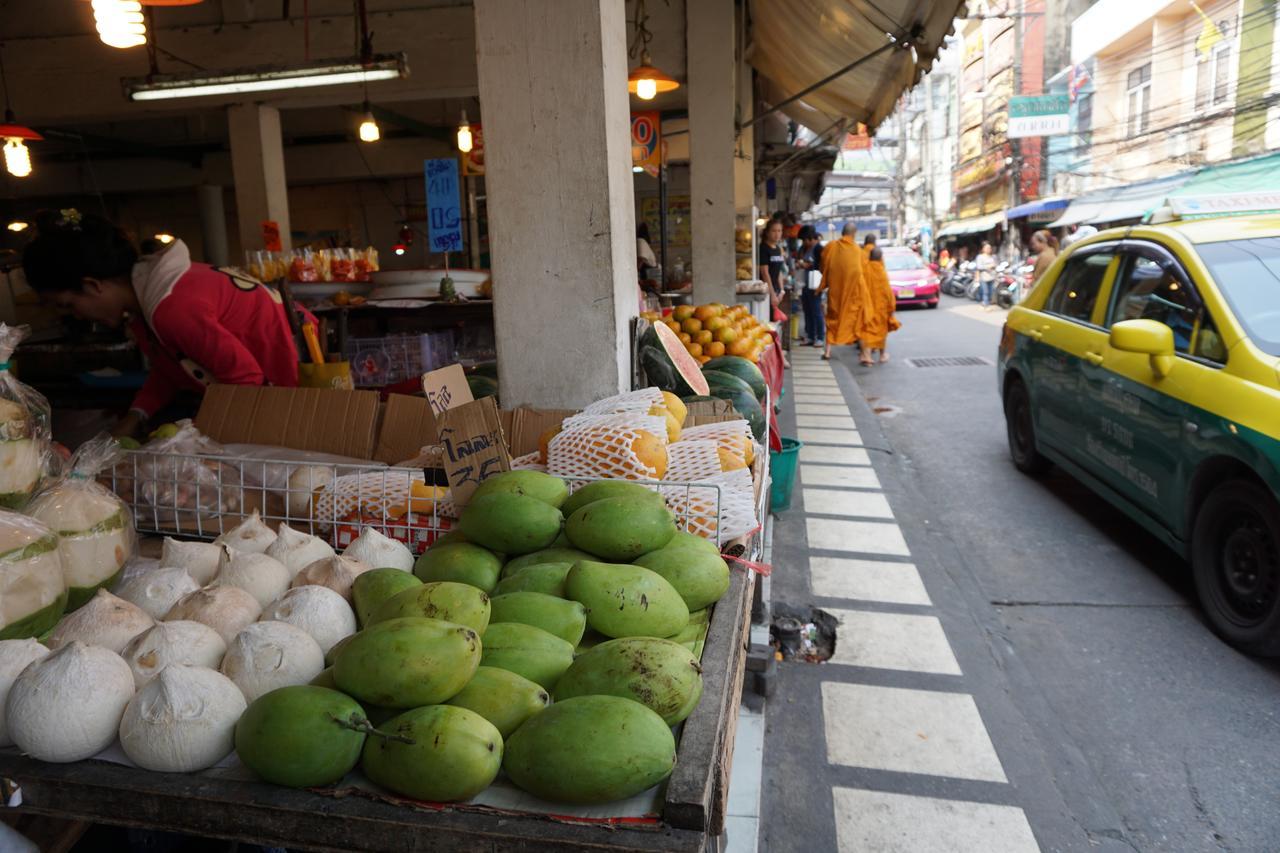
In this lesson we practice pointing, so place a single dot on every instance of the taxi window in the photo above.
(1076, 290)
(1147, 289)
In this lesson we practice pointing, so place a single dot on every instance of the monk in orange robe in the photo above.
(878, 319)
(845, 286)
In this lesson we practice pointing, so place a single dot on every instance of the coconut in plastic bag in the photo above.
(94, 526)
(24, 428)
(33, 593)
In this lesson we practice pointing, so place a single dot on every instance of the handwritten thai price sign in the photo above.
(444, 207)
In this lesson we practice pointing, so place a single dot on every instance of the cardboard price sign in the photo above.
(470, 432)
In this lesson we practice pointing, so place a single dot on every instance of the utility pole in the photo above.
(1015, 145)
(926, 161)
(899, 192)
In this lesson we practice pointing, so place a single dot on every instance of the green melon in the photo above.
(741, 368)
(726, 386)
(667, 364)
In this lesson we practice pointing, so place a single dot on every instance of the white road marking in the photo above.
(827, 407)
(908, 731)
(909, 642)
(834, 455)
(867, 580)
(828, 475)
(852, 504)
(862, 537)
(819, 397)
(902, 823)
(825, 421)
(844, 437)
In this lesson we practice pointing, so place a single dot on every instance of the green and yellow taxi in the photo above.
(1146, 363)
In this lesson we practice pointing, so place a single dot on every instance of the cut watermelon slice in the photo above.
(668, 365)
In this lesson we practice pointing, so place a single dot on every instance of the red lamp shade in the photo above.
(18, 131)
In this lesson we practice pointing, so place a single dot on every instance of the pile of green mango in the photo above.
(551, 636)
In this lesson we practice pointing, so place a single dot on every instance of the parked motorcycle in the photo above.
(959, 278)
(1014, 286)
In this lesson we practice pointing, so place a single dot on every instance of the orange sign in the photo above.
(473, 160)
(271, 237)
(646, 138)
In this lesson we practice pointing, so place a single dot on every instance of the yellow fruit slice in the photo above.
(730, 461)
(652, 453)
(675, 406)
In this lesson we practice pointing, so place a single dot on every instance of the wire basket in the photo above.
(390, 359)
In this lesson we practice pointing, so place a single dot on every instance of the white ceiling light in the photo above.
(120, 23)
(203, 84)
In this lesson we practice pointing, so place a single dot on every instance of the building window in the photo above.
(1084, 115)
(1213, 77)
(1138, 96)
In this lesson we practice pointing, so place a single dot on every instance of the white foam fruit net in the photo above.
(528, 462)
(719, 514)
(640, 402)
(734, 436)
(690, 461)
(592, 446)
(371, 495)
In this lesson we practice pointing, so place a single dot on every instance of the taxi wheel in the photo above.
(1022, 431)
(1235, 557)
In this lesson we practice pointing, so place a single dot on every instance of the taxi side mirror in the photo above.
(1147, 337)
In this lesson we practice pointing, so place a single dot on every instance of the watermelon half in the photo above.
(726, 386)
(741, 368)
(668, 365)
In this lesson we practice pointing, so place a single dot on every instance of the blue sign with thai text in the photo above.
(444, 211)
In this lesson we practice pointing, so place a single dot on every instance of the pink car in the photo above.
(913, 282)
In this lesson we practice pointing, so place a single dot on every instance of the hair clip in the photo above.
(70, 218)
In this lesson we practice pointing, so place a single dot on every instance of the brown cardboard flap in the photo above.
(323, 420)
(528, 424)
(407, 426)
(474, 447)
(710, 412)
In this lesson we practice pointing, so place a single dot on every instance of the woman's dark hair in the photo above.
(642, 231)
(70, 246)
(807, 232)
(876, 254)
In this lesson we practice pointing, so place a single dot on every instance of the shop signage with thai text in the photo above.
(646, 141)
(444, 207)
(1039, 115)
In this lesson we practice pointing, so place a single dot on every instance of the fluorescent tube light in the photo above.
(274, 78)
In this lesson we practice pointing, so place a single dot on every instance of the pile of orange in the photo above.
(712, 330)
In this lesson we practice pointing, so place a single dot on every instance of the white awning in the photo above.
(972, 225)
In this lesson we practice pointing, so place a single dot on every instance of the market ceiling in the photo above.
(890, 43)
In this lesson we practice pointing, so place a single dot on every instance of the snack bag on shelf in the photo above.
(341, 265)
(618, 446)
(302, 266)
(25, 454)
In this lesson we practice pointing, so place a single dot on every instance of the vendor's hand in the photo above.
(129, 426)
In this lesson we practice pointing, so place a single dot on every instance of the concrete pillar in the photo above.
(557, 138)
(257, 162)
(712, 102)
(744, 166)
(213, 225)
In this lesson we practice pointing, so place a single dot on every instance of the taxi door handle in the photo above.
(1035, 334)
(1094, 358)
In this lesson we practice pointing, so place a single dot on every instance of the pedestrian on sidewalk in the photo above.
(868, 243)
(1045, 245)
(810, 264)
(986, 263)
(772, 262)
(878, 319)
(844, 283)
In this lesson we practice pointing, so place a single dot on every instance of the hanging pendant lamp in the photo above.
(646, 80)
(17, 159)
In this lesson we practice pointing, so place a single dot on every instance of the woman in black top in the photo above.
(773, 263)
(810, 299)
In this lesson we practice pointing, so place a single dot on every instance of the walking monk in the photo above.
(878, 319)
(843, 281)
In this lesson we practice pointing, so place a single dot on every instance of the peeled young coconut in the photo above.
(178, 642)
(263, 577)
(379, 551)
(200, 559)
(250, 536)
(95, 534)
(225, 609)
(157, 591)
(336, 573)
(267, 655)
(67, 706)
(297, 550)
(14, 657)
(183, 720)
(106, 621)
(317, 610)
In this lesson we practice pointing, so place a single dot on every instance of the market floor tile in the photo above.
(856, 537)
(867, 580)
(903, 823)
(839, 477)
(902, 641)
(846, 503)
(908, 731)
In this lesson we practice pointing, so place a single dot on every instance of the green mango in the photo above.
(325, 678)
(447, 601)
(546, 555)
(372, 588)
(440, 754)
(591, 749)
(301, 736)
(546, 578)
(510, 523)
(461, 562)
(685, 539)
(546, 488)
(621, 529)
(527, 651)
(694, 632)
(332, 655)
(699, 577)
(600, 489)
(590, 639)
(452, 537)
(502, 697)
(566, 619)
(404, 663)
(561, 541)
(626, 601)
(660, 674)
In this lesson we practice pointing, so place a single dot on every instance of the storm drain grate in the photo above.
(950, 361)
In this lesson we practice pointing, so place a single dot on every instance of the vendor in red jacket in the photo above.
(196, 323)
